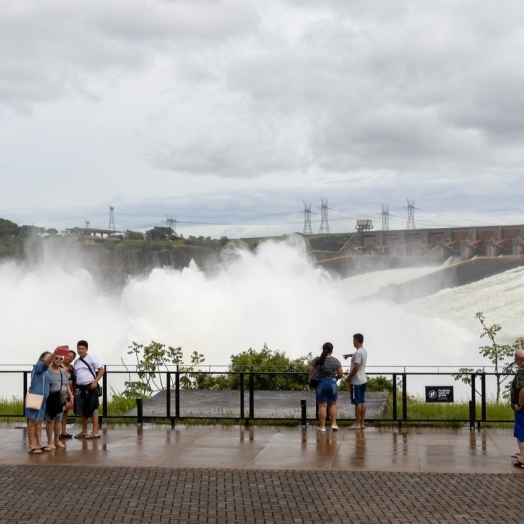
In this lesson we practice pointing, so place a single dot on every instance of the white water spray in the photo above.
(275, 296)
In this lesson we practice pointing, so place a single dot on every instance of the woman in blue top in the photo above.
(39, 385)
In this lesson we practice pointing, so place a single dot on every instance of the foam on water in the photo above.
(499, 297)
(275, 296)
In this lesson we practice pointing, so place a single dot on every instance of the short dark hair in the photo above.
(82, 343)
(72, 351)
(359, 337)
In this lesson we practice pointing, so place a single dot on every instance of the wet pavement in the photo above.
(264, 474)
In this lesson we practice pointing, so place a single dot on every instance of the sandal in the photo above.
(91, 436)
(65, 435)
(35, 451)
(48, 448)
(80, 435)
(59, 445)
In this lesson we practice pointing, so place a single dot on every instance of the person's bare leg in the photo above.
(95, 423)
(84, 426)
(49, 429)
(322, 412)
(31, 433)
(57, 428)
(358, 416)
(38, 433)
(362, 414)
(332, 408)
(63, 425)
(521, 449)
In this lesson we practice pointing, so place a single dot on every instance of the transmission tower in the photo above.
(307, 218)
(411, 213)
(111, 226)
(87, 225)
(324, 224)
(171, 223)
(385, 217)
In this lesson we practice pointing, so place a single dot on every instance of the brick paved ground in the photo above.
(85, 495)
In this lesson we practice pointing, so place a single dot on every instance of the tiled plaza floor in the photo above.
(233, 474)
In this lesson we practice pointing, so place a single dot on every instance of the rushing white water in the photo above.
(499, 297)
(274, 296)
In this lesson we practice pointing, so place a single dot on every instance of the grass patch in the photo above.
(11, 410)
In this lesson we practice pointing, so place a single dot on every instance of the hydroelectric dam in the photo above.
(465, 254)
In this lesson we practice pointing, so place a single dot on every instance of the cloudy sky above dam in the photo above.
(227, 114)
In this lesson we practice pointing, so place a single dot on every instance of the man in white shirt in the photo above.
(88, 372)
(357, 380)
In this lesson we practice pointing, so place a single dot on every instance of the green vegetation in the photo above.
(500, 355)
(156, 357)
(152, 362)
(10, 407)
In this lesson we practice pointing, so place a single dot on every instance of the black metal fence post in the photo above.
(404, 397)
(303, 413)
(242, 406)
(104, 396)
(168, 399)
(395, 398)
(483, 399)
(177, 393)
(472, 404)
(251, 395)
(25, 391)
(139, 412)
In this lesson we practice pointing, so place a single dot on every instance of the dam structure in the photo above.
(465, 254)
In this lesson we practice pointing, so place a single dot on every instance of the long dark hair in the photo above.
(327, 348)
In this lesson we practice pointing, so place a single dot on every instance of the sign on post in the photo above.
(439, 393)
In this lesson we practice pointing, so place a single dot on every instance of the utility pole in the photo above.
(307, 218)
(111, 226)
(411, 213)
(171, 223)
(385, 217)
(87, 224)
(324, 224)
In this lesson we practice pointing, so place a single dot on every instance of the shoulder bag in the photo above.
(99, 389)
(34, 400)
(315, 377)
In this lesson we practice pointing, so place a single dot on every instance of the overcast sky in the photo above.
(230, 113)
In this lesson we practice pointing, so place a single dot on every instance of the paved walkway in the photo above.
(263, 474)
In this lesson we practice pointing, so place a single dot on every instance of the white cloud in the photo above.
(139, 101)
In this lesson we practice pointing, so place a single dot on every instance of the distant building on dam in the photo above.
(432, 244)
(471, 254)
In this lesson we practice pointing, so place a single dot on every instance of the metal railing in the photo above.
(182, 395)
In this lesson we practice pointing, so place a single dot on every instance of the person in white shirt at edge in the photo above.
(86, 381)
(357, 380)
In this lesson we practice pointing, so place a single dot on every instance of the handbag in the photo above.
(99, 389)
(315, 377)
(34, 400)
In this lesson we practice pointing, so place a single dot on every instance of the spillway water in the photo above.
(275, 296)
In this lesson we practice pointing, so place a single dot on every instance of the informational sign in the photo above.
(439, 393)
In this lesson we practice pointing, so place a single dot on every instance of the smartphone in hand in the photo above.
(62, 351)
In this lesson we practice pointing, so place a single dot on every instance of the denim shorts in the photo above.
(518, 431)
(358, 393)
(326, 390)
